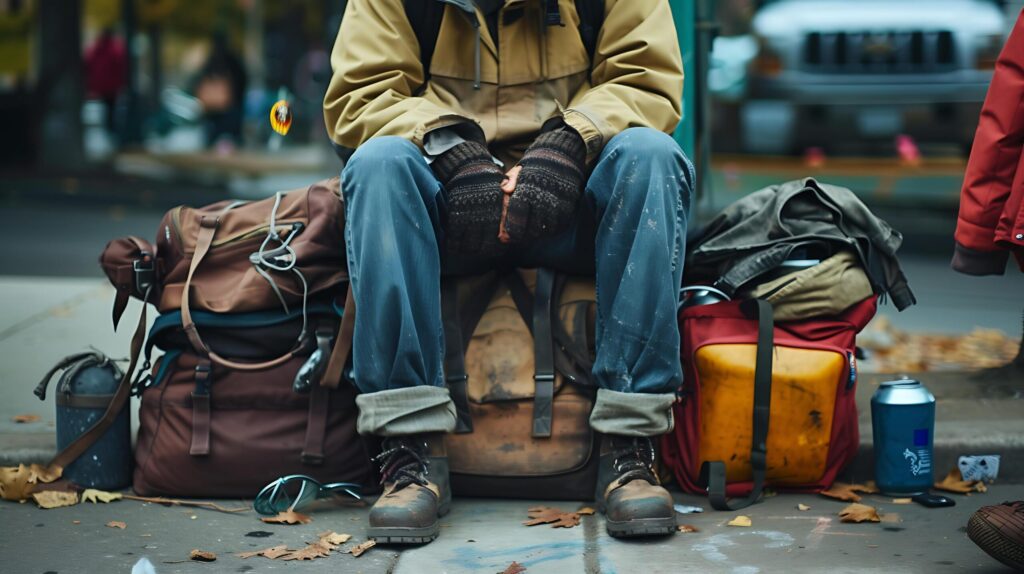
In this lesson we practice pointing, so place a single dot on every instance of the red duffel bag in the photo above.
(738, 429)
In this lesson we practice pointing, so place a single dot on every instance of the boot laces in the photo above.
(633, 458)
(403, 462)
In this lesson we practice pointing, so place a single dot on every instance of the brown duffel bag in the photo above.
(520, 381)
(251, 429)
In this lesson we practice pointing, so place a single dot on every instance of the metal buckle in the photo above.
(312, 459)
(144, 269)
(544, 378)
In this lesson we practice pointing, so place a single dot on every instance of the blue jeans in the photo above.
(630, 231)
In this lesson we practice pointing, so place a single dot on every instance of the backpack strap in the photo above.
(591, 13)
(712, 473)
(543, 353)
(425, 17)
(454, 356)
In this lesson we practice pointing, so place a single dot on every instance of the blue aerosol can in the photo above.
(903, 424)
(84, 391)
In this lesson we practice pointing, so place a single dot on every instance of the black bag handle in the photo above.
(712, 473)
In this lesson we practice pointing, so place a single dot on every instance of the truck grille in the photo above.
(905, 52)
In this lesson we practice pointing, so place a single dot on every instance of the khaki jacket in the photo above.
(534, 73)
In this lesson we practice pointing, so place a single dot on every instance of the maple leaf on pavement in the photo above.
(857, 512)
(288, 517)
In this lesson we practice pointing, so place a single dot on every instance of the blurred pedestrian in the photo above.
(220, 88)
(991, 228)
(105, 67)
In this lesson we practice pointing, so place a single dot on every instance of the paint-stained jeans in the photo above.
(631, 231)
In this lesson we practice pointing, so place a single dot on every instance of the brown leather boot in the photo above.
(628, 490)
(414, 472)
(999, 531)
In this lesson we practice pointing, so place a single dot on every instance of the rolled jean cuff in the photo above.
(399, 412)
(632, 414)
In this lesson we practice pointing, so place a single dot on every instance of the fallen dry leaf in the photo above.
(55, 498)
(92, 495)
(333, 538)
(76, 522)
(902, 500)
(553, 516)
(848, 492)
(273, 552)
(357, 551)
(117, 524)
(202, 555)
(22, 419)
(312, 551)
(740, 521)
(896, 351)
(954, 482)
(687, 528)
(585, 511)
(514, 568)
(40, 474)
(857, 512)
(14, 483)
(288, 517)
(802, 507)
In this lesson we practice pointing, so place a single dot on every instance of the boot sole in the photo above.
(641, 527)
(994, 543)
(400, 535)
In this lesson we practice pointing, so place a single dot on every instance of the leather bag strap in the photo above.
(342, 343)
(200, 445)
(316, 425)
(118, 402)
(207, 230)
(713, 472)
(454, 356)
(543, 354)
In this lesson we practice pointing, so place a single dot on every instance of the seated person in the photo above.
(511, 98)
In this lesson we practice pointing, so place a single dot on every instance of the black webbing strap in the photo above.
(454, 358)
(543, 354)
(713, 472)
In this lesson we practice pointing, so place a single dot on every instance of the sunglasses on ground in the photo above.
(296, 491)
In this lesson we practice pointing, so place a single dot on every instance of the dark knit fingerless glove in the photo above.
(473, 183)
(549, 186)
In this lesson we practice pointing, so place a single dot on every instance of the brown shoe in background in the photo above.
(414, 472)
(628, 490)
(999, 531)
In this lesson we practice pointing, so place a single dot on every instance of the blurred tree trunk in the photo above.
(60, 89)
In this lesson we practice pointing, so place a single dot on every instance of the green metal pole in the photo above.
(684, 14)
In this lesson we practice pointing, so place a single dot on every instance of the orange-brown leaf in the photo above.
(312, 551)
(202, 555)
(55, 498)
(553, 516)
(687, 528)
(14, 482)
(514, 568)
(288, 517)
(848, 492)
(272, 552)
(954, 482)
(358, 550)
(857, 512)
(333, 539)
(117, 524)
(22, 419)
(585, 511)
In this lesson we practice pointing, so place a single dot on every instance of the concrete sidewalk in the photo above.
(44, 319)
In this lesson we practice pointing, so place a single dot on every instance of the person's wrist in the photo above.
(459, 157)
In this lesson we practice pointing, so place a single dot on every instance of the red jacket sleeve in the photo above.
(988, 181)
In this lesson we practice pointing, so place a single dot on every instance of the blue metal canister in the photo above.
(903, 424)
(84, 392)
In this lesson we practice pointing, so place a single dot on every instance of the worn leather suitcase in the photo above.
(524, 395)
